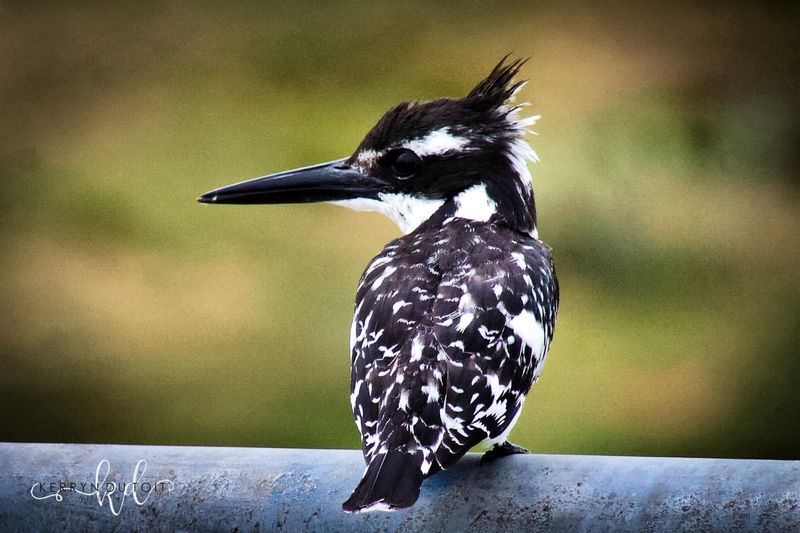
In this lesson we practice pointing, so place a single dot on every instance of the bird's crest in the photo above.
(484, 112)
(497, 88)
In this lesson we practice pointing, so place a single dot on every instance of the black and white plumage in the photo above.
(453, 319)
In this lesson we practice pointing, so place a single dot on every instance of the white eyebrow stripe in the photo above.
(437, 142)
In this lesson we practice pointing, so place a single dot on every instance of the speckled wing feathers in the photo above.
(450, 331)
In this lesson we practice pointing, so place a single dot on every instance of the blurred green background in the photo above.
(668, 189)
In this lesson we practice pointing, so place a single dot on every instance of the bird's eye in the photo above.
(405, 163)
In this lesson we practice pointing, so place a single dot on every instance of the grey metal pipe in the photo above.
(249, 489)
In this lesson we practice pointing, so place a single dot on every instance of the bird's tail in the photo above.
(392, 481)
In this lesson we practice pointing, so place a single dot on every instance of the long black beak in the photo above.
(319, 183)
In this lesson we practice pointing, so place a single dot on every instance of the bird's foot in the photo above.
(502, 450)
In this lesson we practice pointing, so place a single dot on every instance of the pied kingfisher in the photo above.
(453, 319)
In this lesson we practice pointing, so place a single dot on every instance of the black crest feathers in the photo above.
(493, 91)
(481, 110)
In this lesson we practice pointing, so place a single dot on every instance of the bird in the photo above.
(454, 318)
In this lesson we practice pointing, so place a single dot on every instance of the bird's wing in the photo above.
(494, 323)
(394, 358)
(442, 361)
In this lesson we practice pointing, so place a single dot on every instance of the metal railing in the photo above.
(78, 487)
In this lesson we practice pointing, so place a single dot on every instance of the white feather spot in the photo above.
(466, 304)
(498, 290)
(464, 322)
(367, 157)
(388, 271)
(457, 344)
(416, 349)
(504, 435)
(399, 305)
(529, 330)
(475, 204)
(519, 259)
(354, 395)
(451, 422)
(437, 142)
(403, 400)
(380, 505)
(494, 384)
(432, 391)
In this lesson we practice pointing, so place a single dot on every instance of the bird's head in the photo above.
(468, 154)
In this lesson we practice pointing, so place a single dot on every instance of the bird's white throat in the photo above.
(408, 211)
